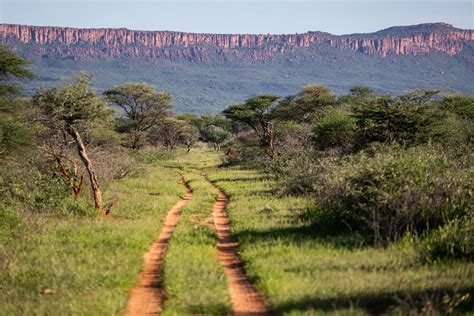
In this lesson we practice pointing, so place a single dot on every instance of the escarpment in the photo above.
(75, 43)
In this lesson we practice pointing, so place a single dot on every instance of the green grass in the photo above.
(304, 272)
(89, 263)
(194, 281)
(193, 278)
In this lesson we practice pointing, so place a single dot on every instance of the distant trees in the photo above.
(304, 106)
(280, 122)
(189, 136)
(172, 132)
(402, 119)
(65, 138)
(15, 135)
(257, 113)
(214, 129)
(142, 109)
(72, 109)
(384, 166)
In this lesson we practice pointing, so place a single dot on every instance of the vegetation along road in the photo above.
(311, 204)
(294, 268)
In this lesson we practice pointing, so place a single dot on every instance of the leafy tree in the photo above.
(11, 67)
(217, 120)
(357, 95)
(169, 132)
(336, 128)
(403, 119)
(187, 117)
(305, 105)
(216, 135)
(173, 131)
(461, 105)
(361, 91)
(257, 114)
(142, 109)
(189, 136)
(71, 109)
(15, 134)
(454, 126)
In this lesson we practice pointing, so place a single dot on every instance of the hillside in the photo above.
(206, 72)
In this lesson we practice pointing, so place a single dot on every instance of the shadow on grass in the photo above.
(302, 234)
(381, 303)
(246, 179)
(208, 309)
(268, 192)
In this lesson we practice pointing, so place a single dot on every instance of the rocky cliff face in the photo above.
(177, 46)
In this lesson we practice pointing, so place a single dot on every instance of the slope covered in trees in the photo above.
(207, 72)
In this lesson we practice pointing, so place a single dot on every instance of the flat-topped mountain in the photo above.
(207, 72)
(196, 47)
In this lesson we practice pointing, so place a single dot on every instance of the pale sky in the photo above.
(230, 16)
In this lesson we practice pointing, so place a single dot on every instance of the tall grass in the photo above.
(304, 270)
(54, 265)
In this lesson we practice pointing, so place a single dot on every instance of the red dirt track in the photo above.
(146, 298)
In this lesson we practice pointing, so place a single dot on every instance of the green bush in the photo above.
(461, 105)
(335, 128)
(453, 240)
(390, 190)
(153, 155)
(296, 175)
(27, 188)
(403, 119)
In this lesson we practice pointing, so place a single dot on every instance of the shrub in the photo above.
(453, 240)
(403, 119)
(153, 155)
(31, 189)
(296, 175)
(113, 163)
(391, 190)
(461, 105)
(335, 128)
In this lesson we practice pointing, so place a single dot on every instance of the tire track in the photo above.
(246, 300)
(147, 296)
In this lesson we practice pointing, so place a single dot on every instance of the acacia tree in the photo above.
(14, 132)
(169, 132)
(55, 144)
(189, 136)
(142, 109)
(217, 136)
(403, 119)
(257, 114)
(306, 105)
(173, 131)
(72, 108)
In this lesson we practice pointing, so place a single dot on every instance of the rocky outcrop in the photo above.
(450, 43)
(76, 43)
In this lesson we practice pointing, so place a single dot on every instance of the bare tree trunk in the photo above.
(81, 149)
(135, 139)
(270, 140)
(76, 181)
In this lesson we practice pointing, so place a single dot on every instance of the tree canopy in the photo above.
(142, 108)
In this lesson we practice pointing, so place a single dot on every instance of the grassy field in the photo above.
(304, 272)
(86, 266)
(194, 281)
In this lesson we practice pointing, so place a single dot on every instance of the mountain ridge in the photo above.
(105, 43)
(207, 73)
